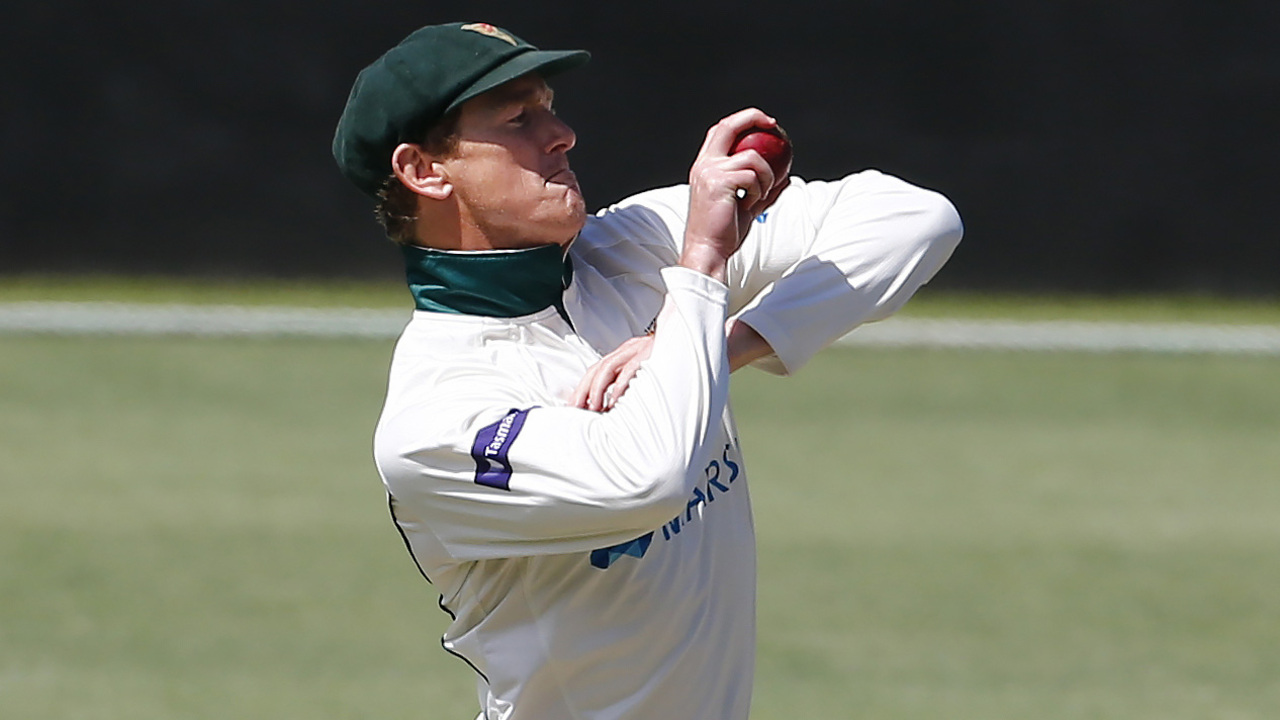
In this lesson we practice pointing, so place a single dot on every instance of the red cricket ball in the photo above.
(772, 144)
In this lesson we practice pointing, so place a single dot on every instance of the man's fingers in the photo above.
(605, 374)
(579, 397)
(746, 187)
(623, 381)
(600, 384)
(592, 385)
(608, 379)
(721, 135)
(761, 176)
(771, 197)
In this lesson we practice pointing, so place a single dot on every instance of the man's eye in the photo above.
(521, 117)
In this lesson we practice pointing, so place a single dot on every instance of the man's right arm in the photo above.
(467, 460)
(489, 480)
(726, 192)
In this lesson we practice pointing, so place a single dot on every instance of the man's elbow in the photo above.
(659, 494)
(928, 233)
(939, 227)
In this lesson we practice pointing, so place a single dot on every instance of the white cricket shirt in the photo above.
(602, 566)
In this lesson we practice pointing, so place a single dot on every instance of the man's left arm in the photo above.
(826, 258)
(830, 256)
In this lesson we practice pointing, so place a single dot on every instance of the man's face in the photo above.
(510, 169)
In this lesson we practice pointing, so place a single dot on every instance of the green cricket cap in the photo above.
(416, 83)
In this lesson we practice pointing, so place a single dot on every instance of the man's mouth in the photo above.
(563, 177)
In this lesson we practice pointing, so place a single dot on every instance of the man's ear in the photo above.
(419, 172)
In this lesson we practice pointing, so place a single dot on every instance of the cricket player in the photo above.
(556, 443)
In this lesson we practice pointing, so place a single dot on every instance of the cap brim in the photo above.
(544, 62)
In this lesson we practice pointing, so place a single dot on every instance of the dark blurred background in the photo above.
(1090, 146)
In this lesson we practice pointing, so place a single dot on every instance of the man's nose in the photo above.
(562, 137)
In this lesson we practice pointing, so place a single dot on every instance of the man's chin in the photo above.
(563, 228)
(567, 215)
(577, 206)
(575, 227)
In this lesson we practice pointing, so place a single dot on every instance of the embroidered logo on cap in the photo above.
(491, 31)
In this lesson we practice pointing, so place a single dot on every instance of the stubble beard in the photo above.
(555, 221)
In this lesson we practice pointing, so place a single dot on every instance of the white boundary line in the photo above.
(1060, 335)
(61, 318)
(69, 318)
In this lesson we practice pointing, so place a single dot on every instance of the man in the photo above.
(556, 442)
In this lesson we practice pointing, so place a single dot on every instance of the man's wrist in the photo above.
(705, 259)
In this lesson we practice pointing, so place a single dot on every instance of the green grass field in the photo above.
(193, 529)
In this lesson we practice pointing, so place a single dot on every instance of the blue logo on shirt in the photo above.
(720, 475)
(604, 557)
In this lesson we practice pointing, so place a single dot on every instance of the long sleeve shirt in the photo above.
(601, 566)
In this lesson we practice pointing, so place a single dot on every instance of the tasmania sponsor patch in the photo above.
(491, 446)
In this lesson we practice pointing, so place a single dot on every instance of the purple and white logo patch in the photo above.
(491, 447)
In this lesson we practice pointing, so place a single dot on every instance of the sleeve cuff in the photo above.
(677, 277)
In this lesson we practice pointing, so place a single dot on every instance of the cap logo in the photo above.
(491, 31)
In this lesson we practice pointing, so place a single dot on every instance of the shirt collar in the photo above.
(492, 283)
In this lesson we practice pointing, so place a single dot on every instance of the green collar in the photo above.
(493, 283)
